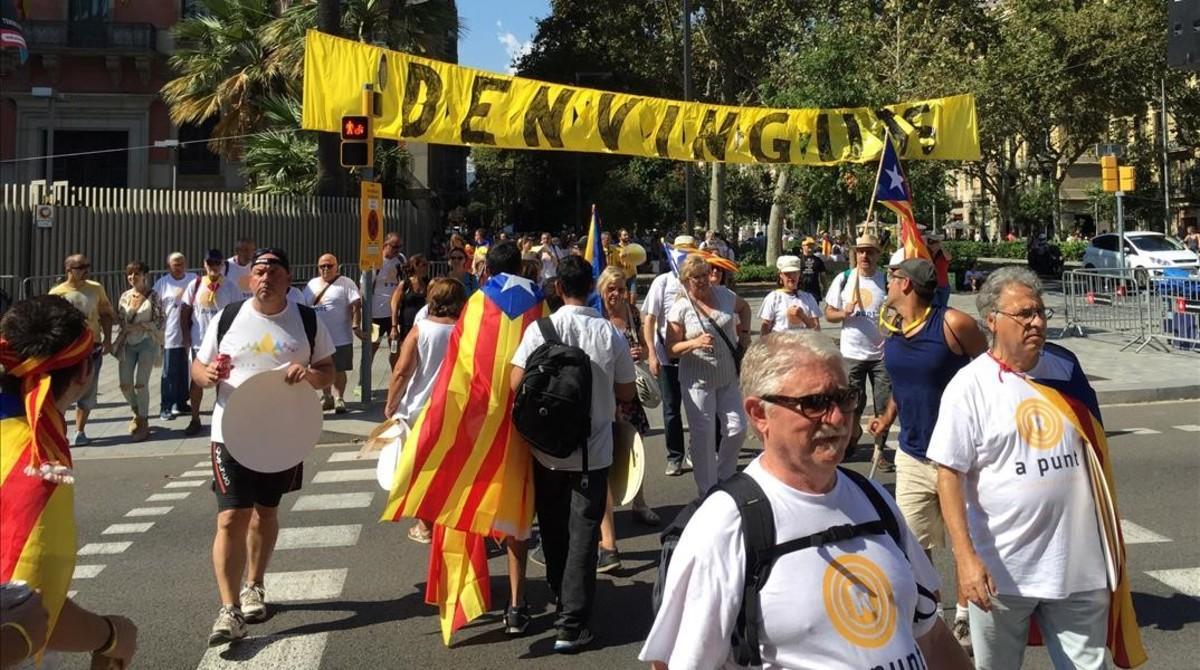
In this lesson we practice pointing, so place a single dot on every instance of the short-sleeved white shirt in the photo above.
(170, 293)
(1029, 502)
(239, 275)
(708, 369)
(202, 312)
(660, 297)
(257, 342)
(387, 278)
(334, 308)
(813, 614)
(583, 327)
(861, 339)
(775, 308)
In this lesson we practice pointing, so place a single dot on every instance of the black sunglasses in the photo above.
(81, 267)
(327, 266)
(816, 405)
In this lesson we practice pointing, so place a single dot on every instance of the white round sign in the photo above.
(270, 425)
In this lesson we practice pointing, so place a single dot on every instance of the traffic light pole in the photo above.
(1120, 230)
(366, 281)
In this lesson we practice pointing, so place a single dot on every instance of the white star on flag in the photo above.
(520, 282)
(897, 179)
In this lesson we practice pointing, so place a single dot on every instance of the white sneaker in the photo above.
(228, 627)
(254, 605)
(962, 634)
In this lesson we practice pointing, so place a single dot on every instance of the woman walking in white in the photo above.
(139, 345)
(789, 306)
(701, 331)
(420, 360)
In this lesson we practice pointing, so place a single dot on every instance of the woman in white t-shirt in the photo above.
(702, 332)
(139, 345)
(420, 360)
(788, 306)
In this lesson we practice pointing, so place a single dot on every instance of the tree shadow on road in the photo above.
(1167, 614)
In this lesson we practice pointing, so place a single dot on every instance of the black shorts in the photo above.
(385, 327)
(343, 358)
(239, 487)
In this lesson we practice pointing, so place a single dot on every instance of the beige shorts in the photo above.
(917, 498)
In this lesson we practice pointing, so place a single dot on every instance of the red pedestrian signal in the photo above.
(356, 127)
(358, 142)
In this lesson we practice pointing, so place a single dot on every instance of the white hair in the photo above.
(771, 358)
(175, 255)
(989, 293)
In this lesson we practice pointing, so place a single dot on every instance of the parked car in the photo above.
(1146, 251)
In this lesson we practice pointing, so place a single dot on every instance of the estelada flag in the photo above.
(892, 191)
(463, 466)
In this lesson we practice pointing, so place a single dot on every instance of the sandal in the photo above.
(417, 535)
(646, 516)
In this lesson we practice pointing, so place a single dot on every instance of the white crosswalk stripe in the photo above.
(197, 473)
(299, 652)
(86, 571)
(338, 476)
(345, 456)
(149, 511)
(1190, 428)
(184, 484)
(203, 464)
(328, 501)
(1183, 580)
(1135, 534)
(166, 497)
(103, 548)
(123, 528)
(315, 537)
(1140, 431)
(282, 587)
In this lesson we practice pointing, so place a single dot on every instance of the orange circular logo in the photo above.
(859, 601)
(1039, 424)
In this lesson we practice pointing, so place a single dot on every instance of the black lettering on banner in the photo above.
(609, 123)
(889, 119)
(804, 141)
(824, 147)
(664, 131)
(479, 110)
(780, 146)
(923, 131)
(546, 117)
(715, 140)
(420, 75)
(854, 133)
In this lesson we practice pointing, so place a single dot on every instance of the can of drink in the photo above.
(224, 365)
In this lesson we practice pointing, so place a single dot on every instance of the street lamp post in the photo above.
(173, 145)
(48, 93)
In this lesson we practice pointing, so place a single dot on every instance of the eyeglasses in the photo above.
(816, 405)
(1025, 317)
(80, 267)
(327, 266)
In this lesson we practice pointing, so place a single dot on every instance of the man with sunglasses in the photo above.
(855, 598)
(339, 306)
(925, 347)
(90, 298)
(387, 278)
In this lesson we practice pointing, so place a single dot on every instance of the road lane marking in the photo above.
(184, 484)
(149, 511)
(86, 571)
(1135, 534)
(72, 594)
(1183, 580)
(1141, 431)
(269, 652)
(282, 587)
(197, 473)
(315, 537)
(103, 548)
(344, 456)
(164, 497)
(337, 476)
(122, 528)
(327, 501)
(1190, 428)
(203, 464)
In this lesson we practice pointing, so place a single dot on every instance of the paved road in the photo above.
(348, 590)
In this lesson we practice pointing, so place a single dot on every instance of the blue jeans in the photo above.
(672, 400)
(174, 379)
(136, 364)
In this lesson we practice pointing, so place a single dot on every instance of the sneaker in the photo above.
(962, 634)
(687, 462)
(193, 428)
(339, 406)
(183, 409)
(326, 403)
(81, 440)
(174, 412)
(674, 468)
(132, 426)
(254, 605)
(516, 619)
(607, 561)
(229, 626)
(569, 643)
(166, 415)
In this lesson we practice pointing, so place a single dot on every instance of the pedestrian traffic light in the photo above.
(1127, 179)
(358, 142)
(1108, 174)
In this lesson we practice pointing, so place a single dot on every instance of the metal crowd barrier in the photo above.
(1111, 301)
(438, 268)
(1173, 303)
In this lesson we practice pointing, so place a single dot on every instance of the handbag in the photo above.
(647, 386)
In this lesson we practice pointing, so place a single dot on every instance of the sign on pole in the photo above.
(43, 216)
(370, 246)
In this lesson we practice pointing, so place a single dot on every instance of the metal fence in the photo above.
(1145, 310)
(1174, 311)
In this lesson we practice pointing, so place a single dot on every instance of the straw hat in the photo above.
(867, 242)
(685, 242)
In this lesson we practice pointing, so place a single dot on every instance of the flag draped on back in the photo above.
(892, 191)
(463, 466)
(1076, 401)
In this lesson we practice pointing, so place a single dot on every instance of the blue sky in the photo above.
(496, 30)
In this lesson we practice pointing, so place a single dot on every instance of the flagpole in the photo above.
(887, 137)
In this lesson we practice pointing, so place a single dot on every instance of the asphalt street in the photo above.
(347, 591)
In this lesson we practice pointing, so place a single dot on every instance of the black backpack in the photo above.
(553, 406)
(758, 535)
(308, 316)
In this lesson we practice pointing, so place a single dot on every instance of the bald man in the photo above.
(339, 307)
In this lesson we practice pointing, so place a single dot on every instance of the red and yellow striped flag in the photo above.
(463, 465)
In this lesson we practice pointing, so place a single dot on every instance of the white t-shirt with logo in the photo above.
(1029, 502)
(861, 339)
(816, 612)
(660, 297)
(170, 293)
(387, 278)
(334, 308)
(203, 312)
(239, 275)
(775, 308)
(257, 342)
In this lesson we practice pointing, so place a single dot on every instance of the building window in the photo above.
(194, 157)
(88, 10)
(103, 158)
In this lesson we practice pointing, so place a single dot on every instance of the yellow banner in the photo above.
(440, 103)
(370, 217)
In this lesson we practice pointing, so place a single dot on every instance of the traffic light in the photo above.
(358, 142)
(1108, 174)
(1127, 178)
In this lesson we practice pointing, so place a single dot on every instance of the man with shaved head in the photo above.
(339, 307)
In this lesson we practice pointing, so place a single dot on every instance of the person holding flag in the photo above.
(892, 191)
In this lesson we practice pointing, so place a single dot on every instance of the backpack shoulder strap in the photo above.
(548, 333)
(308, 316)
(758, 538)
(882, 509)
(227, 316)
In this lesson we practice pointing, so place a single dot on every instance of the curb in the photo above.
(1130, 394)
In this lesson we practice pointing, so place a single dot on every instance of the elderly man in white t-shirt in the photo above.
(854, 600)
(339, 306)
(170, 289)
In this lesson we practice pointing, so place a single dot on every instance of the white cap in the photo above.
(788, 264)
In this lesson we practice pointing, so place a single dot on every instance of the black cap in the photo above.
(920, 271)
(214, 256)
(279, 254)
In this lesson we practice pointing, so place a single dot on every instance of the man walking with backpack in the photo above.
(570, 472)
(803, 563)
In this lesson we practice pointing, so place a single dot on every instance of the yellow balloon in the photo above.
(633, 254)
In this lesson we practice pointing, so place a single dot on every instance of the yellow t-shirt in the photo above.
(91, 299)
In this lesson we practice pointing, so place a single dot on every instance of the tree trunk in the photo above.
(331, 176)
(716, 198)
(775, 220)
